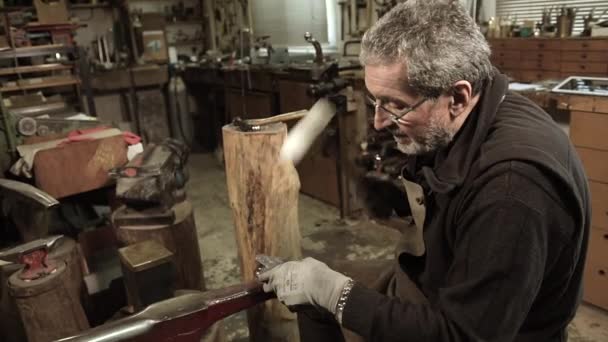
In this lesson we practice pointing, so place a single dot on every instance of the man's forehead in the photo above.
(387, 78)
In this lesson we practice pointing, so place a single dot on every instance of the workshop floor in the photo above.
(323, 237)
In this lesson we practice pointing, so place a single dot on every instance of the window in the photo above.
(532, 10)
(286, 21)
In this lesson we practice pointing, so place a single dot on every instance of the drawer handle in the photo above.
(601, 272)
(605, 236)
(584, 56)
(585, 45)
(541, 45)
(582, 67)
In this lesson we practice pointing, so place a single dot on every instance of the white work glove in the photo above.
(305, 282)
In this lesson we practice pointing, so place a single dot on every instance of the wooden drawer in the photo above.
(565, 75)
(599, 205)
(595, 163)
(507, 64)
(584, 56)
(580, 103)
(544, 56)
(540, 44)
(584, 67)
(575, 103)
(507, 55)
(595, 285)
(600, 104)
(533, 64)
(585, 44)
(589, 130)
(598, 247)
(504, 44)
(535, 75)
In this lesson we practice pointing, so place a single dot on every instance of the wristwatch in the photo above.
(343, 298)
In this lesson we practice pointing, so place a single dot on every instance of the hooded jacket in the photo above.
(506, 229)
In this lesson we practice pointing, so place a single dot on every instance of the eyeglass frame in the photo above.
(394, 117)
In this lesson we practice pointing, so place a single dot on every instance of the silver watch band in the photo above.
(343, 298)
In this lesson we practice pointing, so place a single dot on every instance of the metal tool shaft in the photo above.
(181, 319)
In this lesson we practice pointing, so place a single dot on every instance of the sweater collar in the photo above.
(452, 164)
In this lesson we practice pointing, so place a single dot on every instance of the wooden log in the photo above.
(11, 326)
(263, 196)
(47, 307)
(67, 250)
(179, 237)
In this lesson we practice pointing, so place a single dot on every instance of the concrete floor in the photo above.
(323, 237)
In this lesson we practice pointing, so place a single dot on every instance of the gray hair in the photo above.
(438, 42)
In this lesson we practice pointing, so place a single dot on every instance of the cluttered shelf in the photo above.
(39, 50)
(195, 21)
(42, 84)
(34, 68)
(72, 7)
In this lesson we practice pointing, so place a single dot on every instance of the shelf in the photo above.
(41, 85)
(198, 21)
(70, 7)
(34, 68)
(88, 6)
(31, 51)
(187, 42)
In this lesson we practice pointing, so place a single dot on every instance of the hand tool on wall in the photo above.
(181, 319)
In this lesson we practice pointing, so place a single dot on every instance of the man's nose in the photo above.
(381, 119)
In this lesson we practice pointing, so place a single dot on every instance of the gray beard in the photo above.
(437, 135)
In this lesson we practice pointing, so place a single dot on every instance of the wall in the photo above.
(287, 20)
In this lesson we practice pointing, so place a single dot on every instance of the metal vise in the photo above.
(155, 177)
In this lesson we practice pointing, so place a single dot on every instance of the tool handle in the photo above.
(278, 118)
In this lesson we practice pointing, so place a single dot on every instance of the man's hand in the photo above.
(305, 282)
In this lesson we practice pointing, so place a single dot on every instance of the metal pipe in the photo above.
(315, 43)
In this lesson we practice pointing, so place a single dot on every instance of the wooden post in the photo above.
(263, 194)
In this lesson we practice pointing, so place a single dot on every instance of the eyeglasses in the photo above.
(394, 116)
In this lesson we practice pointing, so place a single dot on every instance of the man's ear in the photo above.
(461, 96)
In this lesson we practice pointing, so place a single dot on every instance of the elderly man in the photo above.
(506, 208)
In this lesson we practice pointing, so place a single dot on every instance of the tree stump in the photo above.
(179, 237)
(263, 195)
(47, 306)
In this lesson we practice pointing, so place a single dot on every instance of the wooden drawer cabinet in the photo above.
(568, 56)
(598, 247)
(589, 129)
(595, 163)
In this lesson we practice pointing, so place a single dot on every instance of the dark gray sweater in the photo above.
(508, 215)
